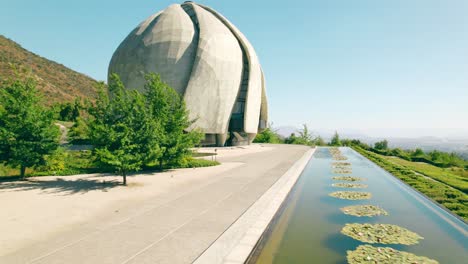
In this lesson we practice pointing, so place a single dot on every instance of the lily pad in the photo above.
(342, 171)
(341, 167)
(349, 185)
(336, 154)
(384, 255)
(348, 178)
(348, 195)
(334, 149)
(340, 157)
(341, 163)
(381, 233)
(363, 210)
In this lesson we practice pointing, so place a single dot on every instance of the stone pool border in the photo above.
(237, 242)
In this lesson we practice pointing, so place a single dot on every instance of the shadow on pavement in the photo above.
(60, 186)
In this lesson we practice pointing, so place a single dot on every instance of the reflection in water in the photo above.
(307, 230)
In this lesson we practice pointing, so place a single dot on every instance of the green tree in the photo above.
(304, 138)
(418, 153)
(65, 111)
(122, 129)
(68, 111)
(174, 133)
(335, 141)
(436, 156)
(27, 132)
(79, 132)
(268, 135)
(292, 139)
(381, 145)
(319, 141)
(400, 153)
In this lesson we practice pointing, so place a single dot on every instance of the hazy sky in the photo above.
(394, 67)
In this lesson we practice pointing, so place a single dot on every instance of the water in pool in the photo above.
(307, 227)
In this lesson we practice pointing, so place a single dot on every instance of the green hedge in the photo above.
(452, 199)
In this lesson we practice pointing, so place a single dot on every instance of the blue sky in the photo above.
(384, 68)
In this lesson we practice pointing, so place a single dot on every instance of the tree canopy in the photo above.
(27, 130)
(304, 138)
(335, 141)
(130, 129)
(168, 108)
(269, 135)
(122, 130)
(381, 145)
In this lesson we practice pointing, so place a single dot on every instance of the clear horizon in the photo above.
(381, 68)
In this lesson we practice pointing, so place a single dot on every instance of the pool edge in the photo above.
(254, 221)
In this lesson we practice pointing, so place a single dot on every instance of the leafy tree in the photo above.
(27, 132)
(304, 138)
(122, 129)
(400, 153)
(175, 137)
(418, 153)
(319, 141)
(268, 136)
(292, 139)
(335, 141)
(435, 155)
(79, 132)
(68, 111)
(381, 145)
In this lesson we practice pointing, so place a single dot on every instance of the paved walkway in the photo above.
(170, 228)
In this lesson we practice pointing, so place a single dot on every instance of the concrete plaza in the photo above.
(175, 224)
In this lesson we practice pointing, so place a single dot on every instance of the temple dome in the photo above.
(207, 60)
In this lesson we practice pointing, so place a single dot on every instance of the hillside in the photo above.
(57, 82)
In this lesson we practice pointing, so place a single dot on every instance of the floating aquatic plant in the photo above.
(384, 255)
(348, 178)
(339, 157)
(341, 167)
(348, 195)
(342, 171)
(349, 185)
(341, 164)
(381, 233)
(363, 210)
(336, 154)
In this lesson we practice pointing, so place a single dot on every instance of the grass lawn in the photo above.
(72, 162)
(444, 175)
(452, 199)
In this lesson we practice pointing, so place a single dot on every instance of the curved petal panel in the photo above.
(263, 122)
(254, 91)
(205, 58)
(216, 75)
(165, 44)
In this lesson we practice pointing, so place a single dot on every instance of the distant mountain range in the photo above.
(456, 144)
(57, 82)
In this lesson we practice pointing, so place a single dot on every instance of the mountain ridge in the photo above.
(55, 81)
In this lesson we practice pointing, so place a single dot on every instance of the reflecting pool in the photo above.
(307, 227)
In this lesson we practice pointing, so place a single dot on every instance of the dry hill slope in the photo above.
(57, 82)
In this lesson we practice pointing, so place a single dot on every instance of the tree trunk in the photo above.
(22, 171)
(160, 164)
(124, 174)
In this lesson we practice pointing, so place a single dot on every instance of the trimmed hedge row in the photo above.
(452, 199)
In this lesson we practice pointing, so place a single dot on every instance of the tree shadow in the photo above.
(60, 186)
